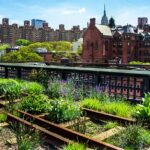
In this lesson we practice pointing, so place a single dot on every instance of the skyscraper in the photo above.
(142, 21)
(104, 20)
(37, 23)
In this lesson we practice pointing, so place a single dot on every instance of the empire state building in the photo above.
(104, 20)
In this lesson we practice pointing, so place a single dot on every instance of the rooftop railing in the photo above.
(129, 83)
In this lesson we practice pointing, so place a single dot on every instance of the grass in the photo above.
(110, 125)
(133, 138)
(119, 108)
(74, 146)
(31, 87)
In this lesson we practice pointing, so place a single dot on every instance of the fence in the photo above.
(130, 83)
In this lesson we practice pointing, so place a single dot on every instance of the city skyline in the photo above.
(71, 13)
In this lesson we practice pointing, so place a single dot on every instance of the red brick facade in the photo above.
(96, 46)
(99, 46)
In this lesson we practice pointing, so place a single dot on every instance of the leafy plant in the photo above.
(143, 110)
(31, 87)
(54, 89)
(63, 110)
(35, 104)
(3, 117)
(27, 139)
(74, 146)
(10, 88)
(134, 137)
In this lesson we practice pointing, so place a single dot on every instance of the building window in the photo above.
(92, 46)
(96, 45)
(87, 45)
(106, 46)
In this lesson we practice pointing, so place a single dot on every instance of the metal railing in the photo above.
(130, 83)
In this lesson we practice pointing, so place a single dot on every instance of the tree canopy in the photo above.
(112, 22)
(23, 42)
(21, 56)
(4, 46)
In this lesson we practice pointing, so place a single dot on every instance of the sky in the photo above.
(74, 12)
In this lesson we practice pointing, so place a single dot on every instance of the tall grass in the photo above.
(31, 87)
(119, 108)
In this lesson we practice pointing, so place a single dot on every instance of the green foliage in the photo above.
(4, 46)
(63, 110)
(27, 139)
(74, 146)
(110, 125)
(112, 23)
(10, 88)
(21, 56)
(67, 90)
(133, 137)
(62, 46)
(91, 103)
(139, 63)
(41, 76)
(31, 87)
(35, 104)
(119, 108)
(23, 42)
(143, 110)
(3, 117)
(54, 89)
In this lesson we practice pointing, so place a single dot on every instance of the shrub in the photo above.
(32, 87)
(134, 137)
(10, 88)
(54, 89)
(35, 104)
(143, 110)
(63, 111)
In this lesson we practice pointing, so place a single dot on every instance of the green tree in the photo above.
(4, 46)
(112, 22)
(21, 56)
(22, 42)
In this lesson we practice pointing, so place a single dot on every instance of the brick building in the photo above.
(124, 43)
(10, 33)
(97, 42)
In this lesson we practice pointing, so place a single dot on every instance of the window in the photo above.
(87, 45)
(106, 46)
(96, 45)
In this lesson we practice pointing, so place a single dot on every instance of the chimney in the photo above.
(92, 22)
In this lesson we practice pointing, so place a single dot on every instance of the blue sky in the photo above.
(74, 12)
